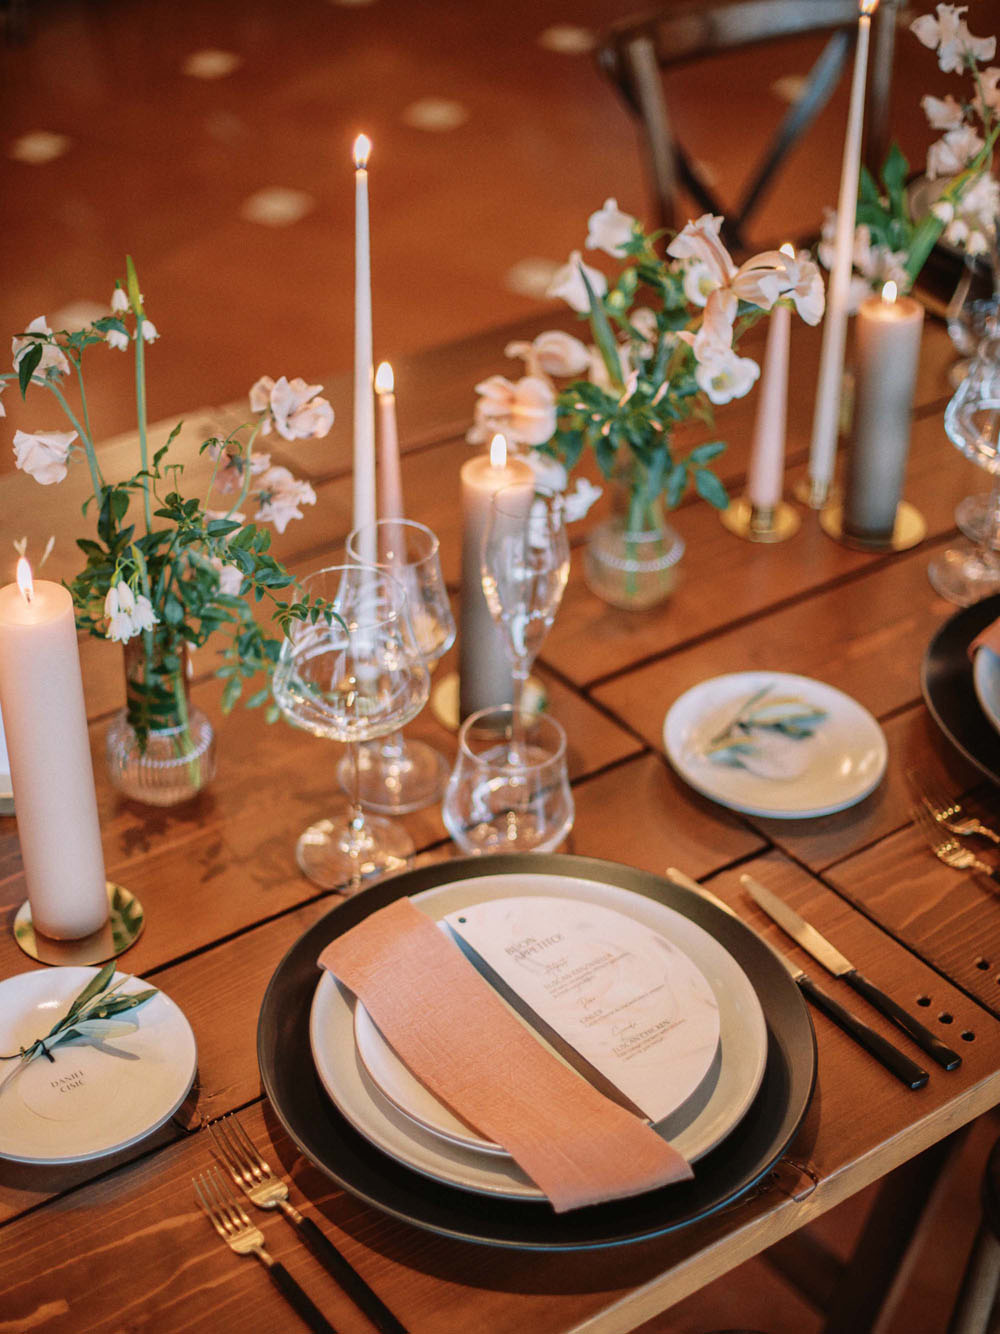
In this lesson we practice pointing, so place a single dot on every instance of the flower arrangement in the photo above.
(889, 243)
(664, 350)
(166, 570)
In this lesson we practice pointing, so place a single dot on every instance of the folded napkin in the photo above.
(458, 1038)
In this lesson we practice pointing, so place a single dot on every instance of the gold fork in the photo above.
(227, 1215)
(252, 1173)
(948, 811)
(946, 847)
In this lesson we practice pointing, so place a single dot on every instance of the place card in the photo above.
(626, 1000)
(79, 1083)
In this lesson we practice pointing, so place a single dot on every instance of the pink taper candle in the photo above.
(41, 693)
(390, 483)
(765, 479)
(823, 448)
(364, 406)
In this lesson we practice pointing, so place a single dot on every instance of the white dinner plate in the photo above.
(698, 1126)
(843, 761)
(96, 1097)
(685, 1057)
(986, 683)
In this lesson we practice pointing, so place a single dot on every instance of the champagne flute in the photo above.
(525, 567)
(396, 775)
(353, 673)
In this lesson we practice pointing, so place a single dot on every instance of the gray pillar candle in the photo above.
(484, 666)
(887, 349)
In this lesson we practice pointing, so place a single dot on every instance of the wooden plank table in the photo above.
(118, 1243)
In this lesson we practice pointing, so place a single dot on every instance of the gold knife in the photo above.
(834, 962)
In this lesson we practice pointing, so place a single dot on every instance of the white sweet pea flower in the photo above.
(548, 471)
(942, 113)
(551, 353)
(953, 153)
(567, 283)
(119, 301)
(3, 410)
(117, 338)
(294, 408)
(580, 499)
(150, 333)
(230, 576)
(525, 411)
(609, 229)
(279, 496)
(950, 37)
(43, 454)
(990, 99)
(53, 358)
(727, 377)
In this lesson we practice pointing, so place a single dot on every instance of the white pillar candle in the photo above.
(41, 693)
(765, 479)
(823, 448)
(364, 406)
(484, 667)
(390, 483)
(887, 350)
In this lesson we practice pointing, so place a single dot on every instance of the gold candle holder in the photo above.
(122, 929)
(908, 530)
(757, 523)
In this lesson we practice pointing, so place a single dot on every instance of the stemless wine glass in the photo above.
(394, 775)
(503, 797)
(352, 674)
(965, 573)
(525, 566)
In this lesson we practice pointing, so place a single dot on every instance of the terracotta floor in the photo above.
(212, 142)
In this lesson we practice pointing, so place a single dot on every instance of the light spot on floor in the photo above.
(567, 39)
(77, 315)
(39, 146)
(435, 113)
(224, 126)
(531, 277)
(790, 87)
(211, 64)
(276, 206)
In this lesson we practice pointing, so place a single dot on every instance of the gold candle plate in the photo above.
(122, 929)
(909, 530)
(756, 524)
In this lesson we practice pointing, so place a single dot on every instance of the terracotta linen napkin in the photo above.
(988, 638)
(458, 1038)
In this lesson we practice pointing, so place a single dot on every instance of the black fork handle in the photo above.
(298, 1299)
(348, 1278)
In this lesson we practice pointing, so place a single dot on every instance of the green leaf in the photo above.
(26, 366)
(710, 488)
(132, 286)
(894, 175)
(705, 453)
(603, 334)
(676, 484)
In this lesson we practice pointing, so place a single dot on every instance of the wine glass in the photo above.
(353, 673)
(395, 776)
(525, 566)
(966, 573)
(505, 799)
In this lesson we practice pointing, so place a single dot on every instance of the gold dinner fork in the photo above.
(948, 811)
(946, 847)
(227, 1215)
(251, 1172)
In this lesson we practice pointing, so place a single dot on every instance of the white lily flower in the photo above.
(53, 358)
(567, 283)
(119, 301)
(117, 338)
(150, 333)
(279, 496)
(525, 411)
(700, 241)
(143, 615)
(551, 353)
(44, 455)
(609, 229)
(127, 614)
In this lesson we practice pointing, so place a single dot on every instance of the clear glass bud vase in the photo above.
(160, 748)
(632, 557)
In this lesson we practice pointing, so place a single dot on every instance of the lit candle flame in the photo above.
(788, 249)
(384, 382)
(498, 452)
(24, 580)
(868, 7)
(362, 148)
(890, 292)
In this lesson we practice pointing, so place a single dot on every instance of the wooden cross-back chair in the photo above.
(635, 53)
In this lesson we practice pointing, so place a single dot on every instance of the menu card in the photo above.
(632, 1004)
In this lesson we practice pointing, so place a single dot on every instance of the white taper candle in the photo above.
(364, 404)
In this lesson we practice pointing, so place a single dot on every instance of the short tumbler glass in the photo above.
(508, 795)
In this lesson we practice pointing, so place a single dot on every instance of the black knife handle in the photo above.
(348, 1278)
(298, 1299)
(894, 1060)
(923, 1037)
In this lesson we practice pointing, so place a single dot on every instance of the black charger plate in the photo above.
(946, 684)
(326, 1138)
